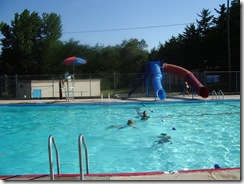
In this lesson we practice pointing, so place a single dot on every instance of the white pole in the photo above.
(109, 98)
(102, 98)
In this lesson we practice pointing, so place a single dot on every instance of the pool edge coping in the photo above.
(156, 173)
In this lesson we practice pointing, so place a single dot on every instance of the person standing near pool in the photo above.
(187, 88)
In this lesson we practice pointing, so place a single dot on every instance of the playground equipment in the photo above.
(157, 80)
(157, 69)
(188, 77)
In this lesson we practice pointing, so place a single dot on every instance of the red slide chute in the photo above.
(189, 77)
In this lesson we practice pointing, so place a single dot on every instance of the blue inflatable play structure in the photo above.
(154, 73)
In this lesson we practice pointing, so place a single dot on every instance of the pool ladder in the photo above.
(217, 95)
(81, 140)
(51, 141)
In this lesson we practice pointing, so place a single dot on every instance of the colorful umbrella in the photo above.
(74, 61)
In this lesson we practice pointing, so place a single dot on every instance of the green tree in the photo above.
(235, 32)
(205, 27)
(20, 39)
(110, 59)
(169, 52)
(205, 23)
(51, 33)
(204, 46)
(133, 55)
(220, 59)
(190, 47)
(153, 54)
(73, 48)
(28, 42)
(132, 52)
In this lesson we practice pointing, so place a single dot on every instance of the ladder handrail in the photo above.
(220, 92)
(214, 94)
(80, 141)
(51, 141)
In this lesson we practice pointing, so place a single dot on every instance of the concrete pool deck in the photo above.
(123, 100)
(225, 174)
(230, 174)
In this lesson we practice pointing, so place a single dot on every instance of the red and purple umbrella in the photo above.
(74, 61)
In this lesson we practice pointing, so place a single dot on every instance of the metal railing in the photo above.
(51, 141)
(81, 141)
(214, 94)
(220, 93)
(217, 95)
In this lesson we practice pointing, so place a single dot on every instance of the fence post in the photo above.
(1, 88)
(16, 85)
(236, 81)
(114, 83)
(5, 85)
(53, 85)
(205, 78)
(143, 84)
(170, 83)
(90, 84)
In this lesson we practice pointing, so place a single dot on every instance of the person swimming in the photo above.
(144, 115)
(163, 138)
(129, 123)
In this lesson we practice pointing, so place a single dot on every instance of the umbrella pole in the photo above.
(73, 69)
(73, 75)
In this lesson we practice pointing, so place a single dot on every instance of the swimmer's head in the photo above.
(129, 122)
(144, 113)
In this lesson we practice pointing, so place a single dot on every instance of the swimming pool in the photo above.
(202, 134)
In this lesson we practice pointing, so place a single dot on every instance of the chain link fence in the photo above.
(114, 84)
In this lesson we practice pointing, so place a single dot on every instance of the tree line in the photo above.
(31, 45)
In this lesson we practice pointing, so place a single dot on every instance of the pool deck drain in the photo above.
(225, 174)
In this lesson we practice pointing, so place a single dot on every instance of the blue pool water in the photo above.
(202, 134)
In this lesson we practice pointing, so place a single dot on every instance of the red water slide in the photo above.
(189, 77)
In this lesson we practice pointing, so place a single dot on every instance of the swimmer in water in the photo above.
(163, 138)
(130, 123)
(144, 115)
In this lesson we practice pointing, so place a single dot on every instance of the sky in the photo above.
(109, 22)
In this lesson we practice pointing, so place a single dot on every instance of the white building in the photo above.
(51, 88)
